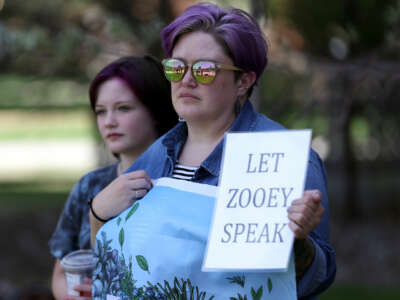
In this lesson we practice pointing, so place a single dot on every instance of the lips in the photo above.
(113, 136)
(188, 95)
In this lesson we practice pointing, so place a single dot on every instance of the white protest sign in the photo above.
(261, 174)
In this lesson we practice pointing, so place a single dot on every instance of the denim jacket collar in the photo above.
(175, 139)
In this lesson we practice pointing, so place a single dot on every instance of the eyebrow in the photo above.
(116, 103)
(196, 60)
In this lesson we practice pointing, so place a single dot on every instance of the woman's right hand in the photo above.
(121, 193)
(84, 289)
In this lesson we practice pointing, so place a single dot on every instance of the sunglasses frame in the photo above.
(218, 66)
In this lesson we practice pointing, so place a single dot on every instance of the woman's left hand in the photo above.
(305, 213)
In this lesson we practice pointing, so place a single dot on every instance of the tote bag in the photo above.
(155, 250)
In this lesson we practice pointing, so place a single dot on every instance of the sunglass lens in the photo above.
(204, 71)
(174, 69)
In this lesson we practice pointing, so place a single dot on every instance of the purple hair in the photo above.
(236, 31)
(145, 77)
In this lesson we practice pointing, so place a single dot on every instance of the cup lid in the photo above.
(78, 260)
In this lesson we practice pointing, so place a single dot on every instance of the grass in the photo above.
(44, 108)
(44, 125)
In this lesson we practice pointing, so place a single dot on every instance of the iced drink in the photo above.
(77, 265)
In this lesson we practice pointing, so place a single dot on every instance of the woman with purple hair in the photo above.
(130, 99)
(214, 58)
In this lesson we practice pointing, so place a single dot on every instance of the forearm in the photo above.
(321, 273)
(58, 282)
(95, 226)
(304, 252)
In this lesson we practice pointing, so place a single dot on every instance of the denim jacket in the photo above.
(159, 159)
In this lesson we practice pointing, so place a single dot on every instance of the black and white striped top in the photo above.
(183, 172)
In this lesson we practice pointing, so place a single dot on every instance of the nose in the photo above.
(110, 120)
(188, 79)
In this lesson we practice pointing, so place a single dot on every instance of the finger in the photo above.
(88, 281)
(83, 287)
(303, 203)
(138, 174)
(314, 195)
(301, 210)
(304, 221)
(139, 183)
(83, 295)
(140, 193)
(297, 230)
(307, 201)
(305, 198)
(321, 210)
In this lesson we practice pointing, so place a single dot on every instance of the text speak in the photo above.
(253, 233)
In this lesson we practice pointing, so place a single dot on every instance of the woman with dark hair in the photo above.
(214, 58)
(131, 101)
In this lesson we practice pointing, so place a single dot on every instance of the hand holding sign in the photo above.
(305, 213)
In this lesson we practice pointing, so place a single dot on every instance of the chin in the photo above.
(190, 114)
(117, 149)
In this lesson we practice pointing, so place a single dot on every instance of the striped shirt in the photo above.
(183, 172)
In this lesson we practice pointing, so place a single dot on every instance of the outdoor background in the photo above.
(333, 67)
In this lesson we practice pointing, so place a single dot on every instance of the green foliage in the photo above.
(142, 262)
(53, 37)
(121, 237)
(181, 290)
(256, 295)
(287, 98)
(239, 297)
(240, 280)
(126, 282)
(360, 23)
(28, 92)
(269, 283)
(392, 34)
(132, 211)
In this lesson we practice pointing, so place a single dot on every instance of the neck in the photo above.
(206, 134)
(125, 161)
(201, 141)
(209, 131)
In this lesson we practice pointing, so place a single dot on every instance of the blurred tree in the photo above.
(330, 71)
(359, 23)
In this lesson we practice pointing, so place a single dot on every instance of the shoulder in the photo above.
(100, 174)
(263, 123)
(153, 160)
(316, 174)
(153, 156)
(97, 179)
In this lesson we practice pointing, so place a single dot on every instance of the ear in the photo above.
(245, 81)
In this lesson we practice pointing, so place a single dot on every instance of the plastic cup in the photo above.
(78, 265)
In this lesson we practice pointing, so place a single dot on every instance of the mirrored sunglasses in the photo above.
(203, 71)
